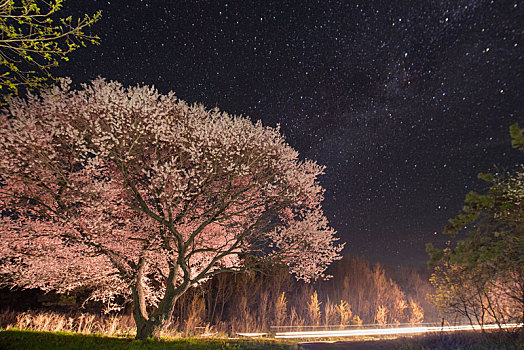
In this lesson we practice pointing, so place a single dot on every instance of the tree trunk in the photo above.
(147, 329)
(148, 326)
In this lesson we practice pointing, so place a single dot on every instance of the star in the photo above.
(404, 103)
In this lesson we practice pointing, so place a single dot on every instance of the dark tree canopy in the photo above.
(482, 276)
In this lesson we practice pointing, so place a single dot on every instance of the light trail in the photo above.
(252, 334)
(390, 331)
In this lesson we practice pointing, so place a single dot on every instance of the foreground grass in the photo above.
(14, 339)
(20, 339)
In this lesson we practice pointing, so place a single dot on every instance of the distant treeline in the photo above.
(357, 293)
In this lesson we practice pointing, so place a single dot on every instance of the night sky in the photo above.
(403, 101)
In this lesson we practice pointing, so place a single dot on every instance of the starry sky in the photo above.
(404, 102)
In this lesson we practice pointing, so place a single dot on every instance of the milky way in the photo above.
(404, 102)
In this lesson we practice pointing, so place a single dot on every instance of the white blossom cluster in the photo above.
(116, 188)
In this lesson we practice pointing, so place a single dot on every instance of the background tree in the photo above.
(33, 39)
(416, 314)
(137, 194)
(314, 309)
(482, 277)
(517, 136)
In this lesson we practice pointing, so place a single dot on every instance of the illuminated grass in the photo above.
(17, 340)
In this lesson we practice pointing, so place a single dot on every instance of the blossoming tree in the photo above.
(133, 193)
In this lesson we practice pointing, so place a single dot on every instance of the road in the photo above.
(351, 345)
(381, 343)
(398, 337)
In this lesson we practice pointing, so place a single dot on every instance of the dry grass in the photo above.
(86, 323)
(79, 323)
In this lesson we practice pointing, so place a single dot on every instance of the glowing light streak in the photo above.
(252, 334)
(389, 331)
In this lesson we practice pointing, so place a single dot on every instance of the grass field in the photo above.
(22, 340)
(14, 339)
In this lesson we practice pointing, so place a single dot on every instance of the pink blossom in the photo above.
(112, 188)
